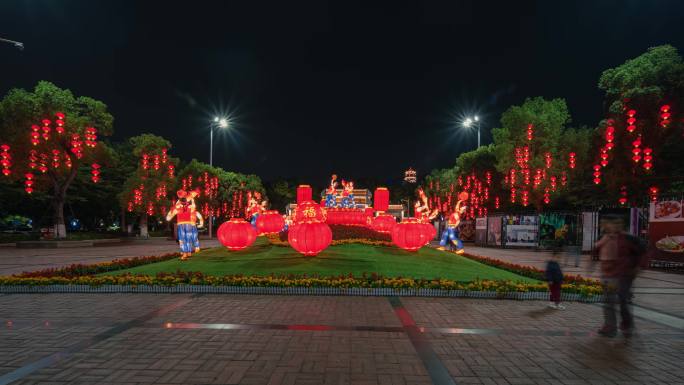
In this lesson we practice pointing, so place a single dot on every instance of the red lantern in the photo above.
(664, 115)
(309, 211)
(653, 192)
(410, 234)
(631, 120)
(236, 234)
(309, 238)
(270, 222)
(530, 131)
(384, 223)
(381, 199)
(304, 193)
(430, 231)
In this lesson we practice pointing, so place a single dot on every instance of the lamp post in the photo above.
(469, 122)
(220, 123)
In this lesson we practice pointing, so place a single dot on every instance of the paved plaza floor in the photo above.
(250, 339)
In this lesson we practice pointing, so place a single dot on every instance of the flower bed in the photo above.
(80, 270)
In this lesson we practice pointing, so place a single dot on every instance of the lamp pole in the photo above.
(221, 123)
(469, 122)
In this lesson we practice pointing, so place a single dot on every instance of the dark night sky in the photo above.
(320, 87)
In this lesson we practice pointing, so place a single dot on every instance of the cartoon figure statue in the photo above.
(451, 234)
(331, 192)
(347, 194)
(255, 206)
(422, 208)
(186, 216)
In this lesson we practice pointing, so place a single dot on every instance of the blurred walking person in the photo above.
(620, 256)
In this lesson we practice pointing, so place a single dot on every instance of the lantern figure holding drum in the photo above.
(331, 192)
(186, 216)
(347, 194)
(451, 235)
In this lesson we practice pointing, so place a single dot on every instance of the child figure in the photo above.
(347, 194)
(331, 192)
(451, 234)
(554, 275)
(186, 216)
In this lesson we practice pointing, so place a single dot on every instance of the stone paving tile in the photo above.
(339, 311)
(510, 315)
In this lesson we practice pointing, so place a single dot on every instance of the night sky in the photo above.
(359, 89)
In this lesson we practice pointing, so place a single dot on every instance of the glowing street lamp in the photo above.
(223, 124)
(471, 121)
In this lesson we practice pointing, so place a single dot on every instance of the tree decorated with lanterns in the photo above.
(49, 137)
(223, 194)
(149, 191)
(536, 152)
(639, 145)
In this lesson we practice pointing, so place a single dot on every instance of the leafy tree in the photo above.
(50, 138)
(147, 192)
(640, 89)
(281, 193)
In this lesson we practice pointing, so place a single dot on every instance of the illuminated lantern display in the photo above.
(631, 120)
(564, 178)
(383, 223)
(623, 195)
(665, 115)
(496, 202)
(547, 196)
(410, 234)
(309, 211)
(28, 184)
(513, 191)
(653, 193)
(35, 135)
(95, 171)
(90, 137)
(381, 199)
(547, 159)
(604, 157)
(59, 122)
(236, 234)
(610, 131)
(431, 232)
(553, 183)
(537, 178)
(525, 198)
(597, 174)
(530, 131)
(304, 193)
(309, 238)
(5, 159)
(648, 157)
(171, 169)
(46, 129)
(270, 222)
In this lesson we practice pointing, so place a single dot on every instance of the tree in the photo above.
(644, 99)
(148, 191)
(49, 136)
(281, 193)
(532, 150)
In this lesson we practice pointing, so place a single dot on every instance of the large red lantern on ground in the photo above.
(269, 222)
(309, 211)
(304, 193)
(236, 234)
(410, 234)
(381, 199)
(430, 232)
(309, 238)
(383, 223)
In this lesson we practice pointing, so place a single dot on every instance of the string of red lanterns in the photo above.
(5, 159)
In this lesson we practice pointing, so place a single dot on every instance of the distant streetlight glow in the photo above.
(468, 122)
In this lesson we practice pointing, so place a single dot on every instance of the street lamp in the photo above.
(469, 122)
(220, 123)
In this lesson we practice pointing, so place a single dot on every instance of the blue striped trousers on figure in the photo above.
(188, 238)
(451, 235)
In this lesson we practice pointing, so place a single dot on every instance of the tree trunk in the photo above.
(211, 227)
(60, 226)
(143, 226)
(123, 220)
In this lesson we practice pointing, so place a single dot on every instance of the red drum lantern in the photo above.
(309, 238)
(269, 222)
(430, 232)
(309, 211)
(384, 223)
(304, 193)
(236, 234)
(410, 234)
(381, 199)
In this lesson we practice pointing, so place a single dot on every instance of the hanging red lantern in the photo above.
(547, 196)
(269, 222)
(496, 202)
(653, 193)
(548, 159)
(381, 199)
(95, 171)
(236, 234)
(309, 238)
(530, 131)
(665, 115)
(5, 159)
(304, 193)
(383, 223)
(525, 197)
(631, 120)
(648, 157)
(597, 174)
(410, 234)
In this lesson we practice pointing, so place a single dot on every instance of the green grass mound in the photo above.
(263, 259)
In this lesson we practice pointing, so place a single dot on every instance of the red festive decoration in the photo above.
(95, 171)
(28, 183)
(236, 234)
(530, 131)
(383, 223)
(304, 193)
(665, 115)
(309, 238)
(623, 195)
(597, 174)
(653, 193)
(631, 120)
(381, 199)
(410, 234)
(270, 222)
(525, 197)
(5, 159)
(648, 157)
(309, 211)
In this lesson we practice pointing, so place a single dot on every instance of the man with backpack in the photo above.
(621, 255)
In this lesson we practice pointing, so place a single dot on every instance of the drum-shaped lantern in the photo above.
(236, 234)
